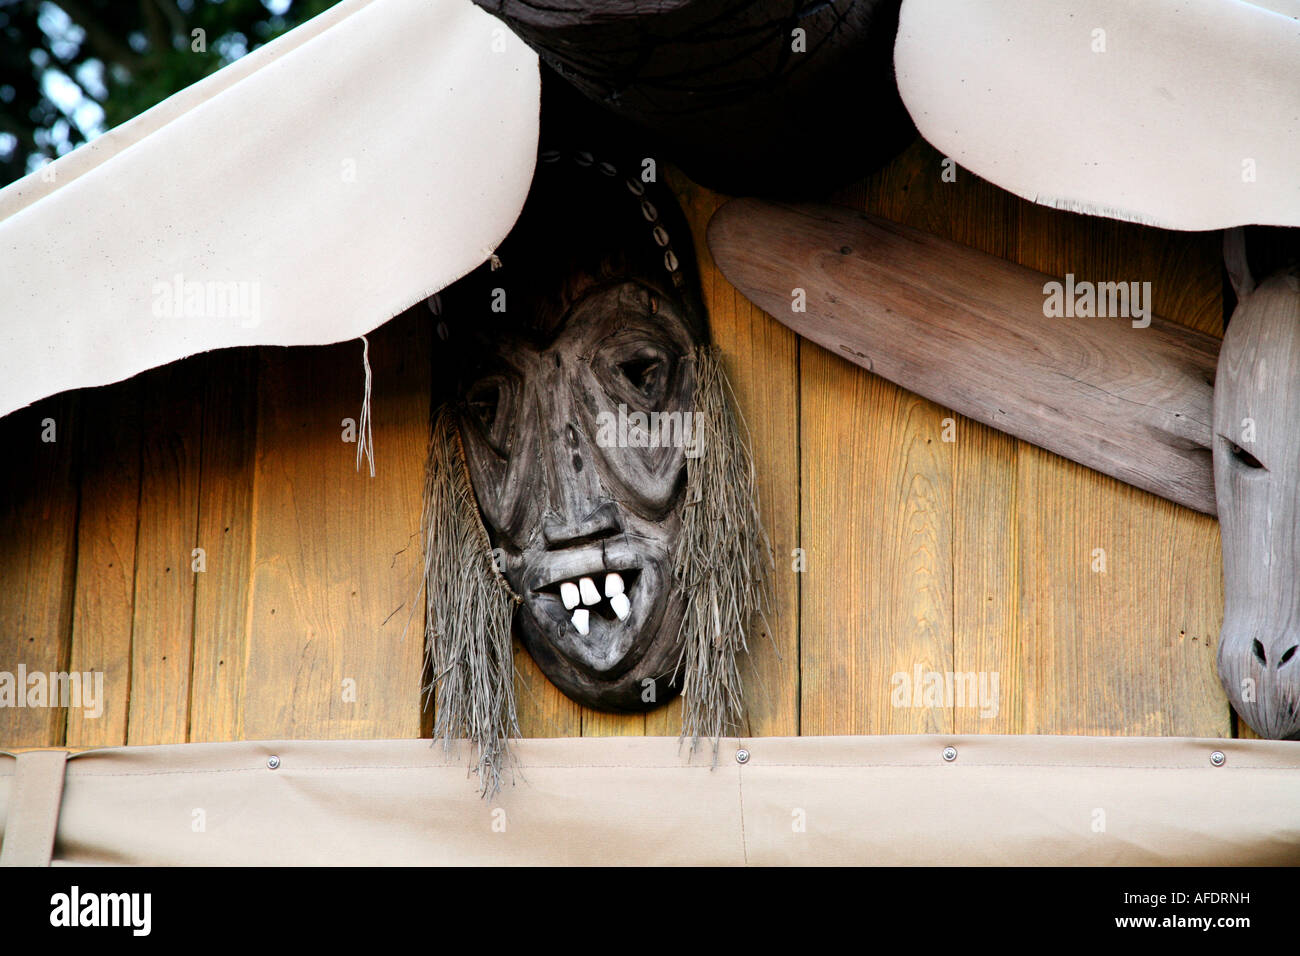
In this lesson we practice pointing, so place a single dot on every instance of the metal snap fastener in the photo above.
(273, 761)
(742, 756)
(950, 754)
(1218, 759)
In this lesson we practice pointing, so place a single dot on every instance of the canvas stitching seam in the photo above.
(264, 769)
(740, 792)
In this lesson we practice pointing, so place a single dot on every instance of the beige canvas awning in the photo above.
(645, 800)
(1183, 114)
(303, 195)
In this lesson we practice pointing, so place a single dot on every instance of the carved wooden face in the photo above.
(1257, 485)
(583, 514)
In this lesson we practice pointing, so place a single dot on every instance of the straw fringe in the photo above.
(468, 610)
(723, 560)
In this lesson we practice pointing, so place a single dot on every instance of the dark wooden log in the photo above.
(728, 90)
(969, 331)
(1257, 480)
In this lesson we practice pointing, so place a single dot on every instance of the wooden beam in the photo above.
(971, 332)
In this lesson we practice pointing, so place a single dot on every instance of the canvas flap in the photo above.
(1177, 113)
(303, 195)
(647, 800)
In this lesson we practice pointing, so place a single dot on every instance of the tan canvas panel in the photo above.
(623, 801)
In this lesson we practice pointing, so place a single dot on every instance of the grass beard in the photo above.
(469, 606)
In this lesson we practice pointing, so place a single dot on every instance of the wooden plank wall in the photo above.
(895, 549)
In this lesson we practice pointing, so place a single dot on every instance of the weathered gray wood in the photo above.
(969, 331)
(1257, 479)
(565, 501)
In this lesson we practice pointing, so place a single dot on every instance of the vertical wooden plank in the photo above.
(38, 518)
(225, 531)
(761, 358)
(543, 710)
(104, 607)
(988, 640)
(877, 595)
(921, 190)
(892, 511)
(598, 724)
(1127, 650)
(335, 556)
(163, 627)
(666, 721)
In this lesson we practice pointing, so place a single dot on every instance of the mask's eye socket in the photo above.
(640, 374)
(645, 373)
(484, 401)
(1241, 456)
(487, 403)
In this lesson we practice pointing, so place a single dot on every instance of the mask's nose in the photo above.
(578, 509)
(602, 522)
(1262, 679)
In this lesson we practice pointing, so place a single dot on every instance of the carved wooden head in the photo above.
(575, 383)
(1257, 485)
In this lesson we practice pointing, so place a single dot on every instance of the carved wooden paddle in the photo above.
(969, 331)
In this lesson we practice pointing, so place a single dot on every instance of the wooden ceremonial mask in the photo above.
(574, 364)
(1257, 485)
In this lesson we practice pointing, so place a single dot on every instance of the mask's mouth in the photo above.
(606, 594)
(577, 612)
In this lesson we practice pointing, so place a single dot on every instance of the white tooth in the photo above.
(621, 605)
(613, 584)
(580, 621)
(589, 593)
(569, 595)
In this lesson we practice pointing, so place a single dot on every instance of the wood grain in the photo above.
(761, 358)
(978, 488)
(225, 532)
(1130, 650)
(986, 638)
(1256, 473)
(974, 555)
(104, 609)
(335, 553)
(877, 529)
(163, 628)
(596, 723)
(543, 710)
(38, 515)
(968, 331)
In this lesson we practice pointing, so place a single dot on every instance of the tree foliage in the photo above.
(70, 69)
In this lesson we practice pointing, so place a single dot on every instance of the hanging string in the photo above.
(365, 439)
